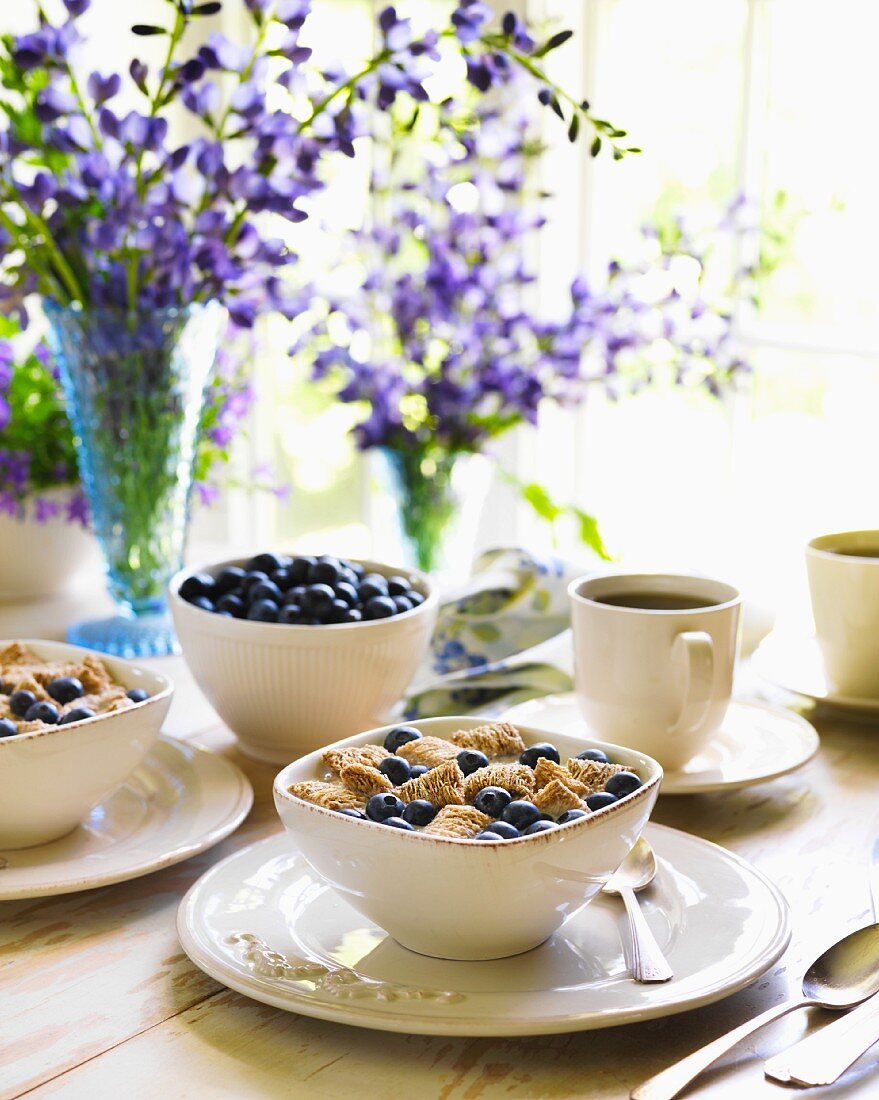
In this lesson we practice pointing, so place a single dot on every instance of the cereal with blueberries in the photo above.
(481, 784)
(36, 695)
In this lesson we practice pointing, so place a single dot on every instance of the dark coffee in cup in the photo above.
(655, 601)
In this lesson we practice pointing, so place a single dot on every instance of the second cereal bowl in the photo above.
(285, 689)
(466, 899)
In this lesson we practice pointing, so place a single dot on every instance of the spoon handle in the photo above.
(668, 1083)
(648, 962)
(825, 1055)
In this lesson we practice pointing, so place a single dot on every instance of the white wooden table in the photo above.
(97, 998)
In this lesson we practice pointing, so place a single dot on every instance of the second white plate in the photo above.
(756, 742)
(180, 801)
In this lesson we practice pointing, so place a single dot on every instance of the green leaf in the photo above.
(590, 534)
(541, 501)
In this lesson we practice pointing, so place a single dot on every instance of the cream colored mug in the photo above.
(654, 655)
(844, 586)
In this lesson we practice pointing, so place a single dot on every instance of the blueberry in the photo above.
(233, 604)
(418, 770)
(503, 829)
(622, 783)
(402, 604)
(282, 578)
(379, 607)
(599, 800)
(399, 823)
(264, 590)
(263, 611)
(229, 579)
(136, 695)
(382, 806)
(397, 586)
(420, 812)
(357, 569)
(290, 614)
(353, 616)
(521, 814)
(266, 563)
(348, 576)
(535, 752)
(335, 612)
(7, 728)
(250, 579)
(347, 592)
(372, 586)
(20, 702)
(316, 596)
(400, 735)
(415, 598)
(198, 584)
(203, 602)
(571, 815)
(488, 836)
(78, 714)
(396, 769)
(325, 571)
(471, 760)
(593, 754)
(492, 801)
(539, 827)
(349, 812)
(295, 594)
(42, 712)
(299, 569)
(65, 689)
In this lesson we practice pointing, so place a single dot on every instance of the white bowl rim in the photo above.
(280, 786)
(166, 688)
(431, 599)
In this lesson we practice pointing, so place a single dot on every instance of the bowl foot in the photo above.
(127, 636)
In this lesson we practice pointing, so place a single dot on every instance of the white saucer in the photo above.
(262, 923)
(181, 800)
(794, 662)
(756, 742)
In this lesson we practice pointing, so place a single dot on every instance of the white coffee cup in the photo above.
(844, 584)
(657, 677)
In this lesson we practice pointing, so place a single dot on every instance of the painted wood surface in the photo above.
(97, 998)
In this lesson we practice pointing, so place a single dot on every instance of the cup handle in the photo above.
(695, 650)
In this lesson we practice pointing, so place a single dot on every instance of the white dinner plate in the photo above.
(756, 742)
(262, 923)
(180, 801)
(794, 662)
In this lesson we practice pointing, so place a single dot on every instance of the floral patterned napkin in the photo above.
(505, 637)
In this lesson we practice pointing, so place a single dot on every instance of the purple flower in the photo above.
(77, 7)
(102, 88)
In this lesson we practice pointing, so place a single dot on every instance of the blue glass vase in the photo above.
(135, 386)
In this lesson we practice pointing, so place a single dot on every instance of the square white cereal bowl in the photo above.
(284, 690)
(467, 899)
(50, 779)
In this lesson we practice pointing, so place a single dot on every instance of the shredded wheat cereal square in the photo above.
(443, 786)
(546, 770)
(457, 822)
(364, 779)
(371, 755)
(495, 739)
(329, 795)
(555, 798)
(428, 750)
(593, 773)
(518, 779)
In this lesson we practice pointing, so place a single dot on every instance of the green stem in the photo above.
(348, 86)
(65, 272)
(43, 273)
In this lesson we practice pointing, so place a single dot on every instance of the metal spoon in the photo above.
(638, 870)
(844, 976)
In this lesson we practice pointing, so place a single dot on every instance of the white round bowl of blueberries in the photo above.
(465, 838)
(295, 652)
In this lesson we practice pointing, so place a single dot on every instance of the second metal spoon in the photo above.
(638, 870)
